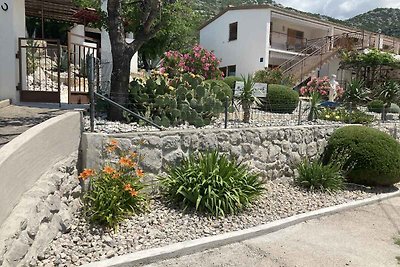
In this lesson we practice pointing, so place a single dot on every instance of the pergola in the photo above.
(63, 10)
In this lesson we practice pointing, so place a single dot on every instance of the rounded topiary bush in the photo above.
(231, 80)
(373, 156)
(375, 106)
(280, 99)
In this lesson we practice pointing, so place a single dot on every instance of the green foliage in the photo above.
(115, 191)
(186, 98)
(389, 93)
(317, 176)
(394, 108)
(178, 33)
(373, 155)
(246, 98)
(272, 76)
(355, 93)
(231, 80)
(342, 115)
(280, 99)
(211, 182)
(373, 58)
(375, 106)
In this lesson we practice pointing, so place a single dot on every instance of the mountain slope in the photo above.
(386, 19)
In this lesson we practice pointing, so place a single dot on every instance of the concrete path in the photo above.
(361, 237)
(15, 120)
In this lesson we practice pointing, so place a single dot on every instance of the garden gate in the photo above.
(52, 73)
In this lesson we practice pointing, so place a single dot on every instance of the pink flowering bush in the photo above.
(320, 86)
(197, 61)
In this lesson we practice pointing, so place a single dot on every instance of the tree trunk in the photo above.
(246, 112)
(121, 57)
(119, 84)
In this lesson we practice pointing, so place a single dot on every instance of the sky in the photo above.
(340, 9)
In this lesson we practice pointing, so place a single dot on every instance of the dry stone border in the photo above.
(43, 211)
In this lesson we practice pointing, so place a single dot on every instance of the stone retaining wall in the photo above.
(43, 211)
(274, 151)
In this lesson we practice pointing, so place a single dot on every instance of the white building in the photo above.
(250, 38)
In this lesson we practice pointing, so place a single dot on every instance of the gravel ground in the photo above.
(164, 225)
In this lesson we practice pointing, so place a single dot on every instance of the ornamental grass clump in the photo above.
(317, 176)
(211, 182)
(115, 191)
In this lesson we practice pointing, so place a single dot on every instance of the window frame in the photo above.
(233, 31)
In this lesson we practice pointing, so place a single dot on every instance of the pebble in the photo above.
(143, 231)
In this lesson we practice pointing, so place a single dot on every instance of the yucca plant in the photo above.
(389, 93)
(246, 98)
(355, 94)
(211, 182)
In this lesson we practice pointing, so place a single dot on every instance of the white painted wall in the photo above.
(12, 27)
(250, 46)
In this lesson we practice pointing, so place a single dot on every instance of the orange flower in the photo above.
(139, 172)
(126, 161)
(113, 142)
(111, 148)
(128, 187)
(108, 170)
(86, 173)
(133, 192)
(116, 175)
(133, 155)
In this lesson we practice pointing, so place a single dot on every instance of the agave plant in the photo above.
(356, 93)
(247, 98)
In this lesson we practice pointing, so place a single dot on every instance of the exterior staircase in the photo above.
(320, 52)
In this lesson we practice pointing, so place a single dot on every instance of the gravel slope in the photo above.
(164, 225)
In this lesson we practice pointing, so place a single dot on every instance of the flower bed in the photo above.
(164, 224)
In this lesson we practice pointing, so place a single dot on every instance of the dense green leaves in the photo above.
(211, 182)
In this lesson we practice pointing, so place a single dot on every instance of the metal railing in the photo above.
(90, 61)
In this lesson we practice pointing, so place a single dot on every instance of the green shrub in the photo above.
(315, 175)
(394, 108)
(220, 87)
(115, 191)
(272, 76)
(231, 80)
(375, 106)
(280, 99)
(211, 182)
(373, 155)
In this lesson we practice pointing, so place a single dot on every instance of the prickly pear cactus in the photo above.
(187, 98)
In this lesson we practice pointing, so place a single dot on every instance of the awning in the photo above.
(63, 10)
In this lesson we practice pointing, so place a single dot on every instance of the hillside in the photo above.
(386, 19)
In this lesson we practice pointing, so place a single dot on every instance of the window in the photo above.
(232, 70)
(233, 30)
(229, 70)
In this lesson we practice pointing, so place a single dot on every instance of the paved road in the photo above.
(15, 120)
(361, 237)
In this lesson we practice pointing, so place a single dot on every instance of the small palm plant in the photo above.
(389, 93)
(246, 98)
(356, 93)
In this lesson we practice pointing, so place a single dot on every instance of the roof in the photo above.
(282, 11)
(63, 10)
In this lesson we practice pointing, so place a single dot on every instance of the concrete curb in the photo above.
(197, 245)
(5, 103)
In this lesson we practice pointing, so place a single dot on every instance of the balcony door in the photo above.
(295, 39)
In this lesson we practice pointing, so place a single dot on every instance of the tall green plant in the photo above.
(211, 182)
(355, 94)
(314, 108)
(247, 98)
(389, 92)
